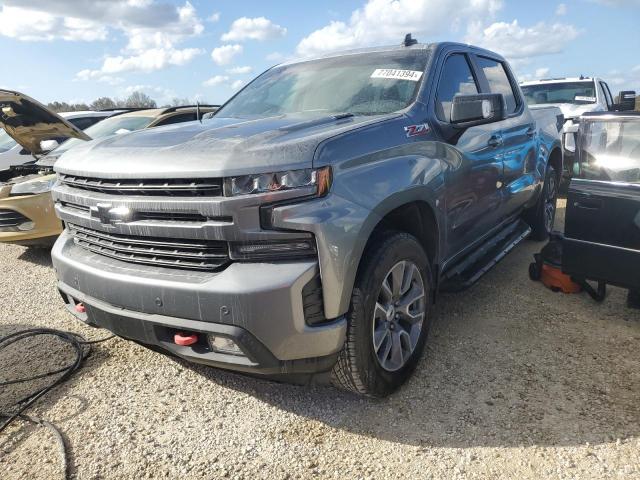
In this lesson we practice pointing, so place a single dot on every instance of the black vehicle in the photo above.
(602, 228)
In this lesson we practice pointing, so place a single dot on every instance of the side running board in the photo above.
(469, 270)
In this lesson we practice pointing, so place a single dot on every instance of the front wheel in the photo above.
(388, 320)
(542, 215)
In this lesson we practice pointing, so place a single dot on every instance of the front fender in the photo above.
(361, 196)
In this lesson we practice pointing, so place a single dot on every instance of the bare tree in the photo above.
(103, 103)
(139, 99)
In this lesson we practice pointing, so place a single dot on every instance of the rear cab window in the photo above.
(499, 81)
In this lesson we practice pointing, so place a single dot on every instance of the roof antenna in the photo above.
(408, 40)
(198, 111)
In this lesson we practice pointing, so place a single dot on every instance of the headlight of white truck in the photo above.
(307, 180)
(33, 187)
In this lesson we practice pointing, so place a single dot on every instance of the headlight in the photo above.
(33, 187)
(314, 182)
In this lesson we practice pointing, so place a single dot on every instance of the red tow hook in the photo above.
(185, 339)
(80, 308)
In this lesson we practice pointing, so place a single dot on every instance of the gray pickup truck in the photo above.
(306, 228)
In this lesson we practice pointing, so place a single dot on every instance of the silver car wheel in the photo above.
(398, 316)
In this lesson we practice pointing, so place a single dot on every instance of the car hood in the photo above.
(5, 187)
(29, 122)
(216, 147)
(569, 110)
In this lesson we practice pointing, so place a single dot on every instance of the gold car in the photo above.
(27, 215)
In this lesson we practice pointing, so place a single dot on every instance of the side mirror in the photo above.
(470, 110)
(626, 101)
(48, 145)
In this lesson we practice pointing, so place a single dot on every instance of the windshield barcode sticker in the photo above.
(411, 75)
(579, 98)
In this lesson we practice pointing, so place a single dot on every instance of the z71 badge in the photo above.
(417, 130)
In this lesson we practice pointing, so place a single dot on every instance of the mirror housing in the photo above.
(47, 145)
(479, 109)
(626, 101)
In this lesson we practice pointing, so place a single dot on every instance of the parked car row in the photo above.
(306, 228)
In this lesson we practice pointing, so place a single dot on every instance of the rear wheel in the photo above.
(388, 317)
(542, 216)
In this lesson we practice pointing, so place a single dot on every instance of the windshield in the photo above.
(576, 93)
(6, 142)
(610, 150)
(361, 84)
(105, 128)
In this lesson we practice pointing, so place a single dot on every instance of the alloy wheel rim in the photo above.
(398, 316)
(550, 204)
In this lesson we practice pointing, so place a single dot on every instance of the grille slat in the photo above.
(176, 253)
(205, 187)
(11, 218)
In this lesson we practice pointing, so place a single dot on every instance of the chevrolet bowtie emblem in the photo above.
(108, 214)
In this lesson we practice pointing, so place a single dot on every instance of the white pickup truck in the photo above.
(574, 96)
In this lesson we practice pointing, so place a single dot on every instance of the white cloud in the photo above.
(214, 17)
(154, 28)
(561, 9)
(240, 70)
(33, 25)
(542, 72)
(237, 84)
(224, 55)
(387, 21)
(516, 42)
(216, 81)
(259, 28)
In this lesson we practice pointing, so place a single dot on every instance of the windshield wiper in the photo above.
(340, 116)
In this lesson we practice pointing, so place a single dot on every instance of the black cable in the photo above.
(82, 350)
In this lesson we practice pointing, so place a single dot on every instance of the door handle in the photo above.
(495, 141)
(531, 132)
(588, 204)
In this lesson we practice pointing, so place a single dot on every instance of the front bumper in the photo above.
(40, 225)
(259, 305)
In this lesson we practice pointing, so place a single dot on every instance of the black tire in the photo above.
(538, 216)
(534, 272)
(358, 368)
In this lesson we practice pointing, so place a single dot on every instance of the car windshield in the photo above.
(361, 84)
(610, 150)
(577, 93)
(110, 126)
(6, 142)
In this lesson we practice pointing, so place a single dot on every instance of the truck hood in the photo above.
(29, 122)
(569, 110)
(216, 147)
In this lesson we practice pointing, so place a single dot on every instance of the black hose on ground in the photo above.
(82, 349)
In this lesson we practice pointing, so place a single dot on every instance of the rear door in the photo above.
(602, 226)
(518, 133)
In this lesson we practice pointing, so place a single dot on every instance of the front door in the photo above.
(474, 161)
(602, 226)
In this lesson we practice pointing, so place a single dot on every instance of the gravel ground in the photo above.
(516, 382)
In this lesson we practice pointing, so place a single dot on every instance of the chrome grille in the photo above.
(176, 187)
(11, 218)
(163, 252)
(152, 216)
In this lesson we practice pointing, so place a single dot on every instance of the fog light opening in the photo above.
(26, 226)
(224, 345)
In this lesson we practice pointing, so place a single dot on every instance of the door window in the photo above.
(182, 117)
(85, 122)
(499, 81)
(456, 79)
